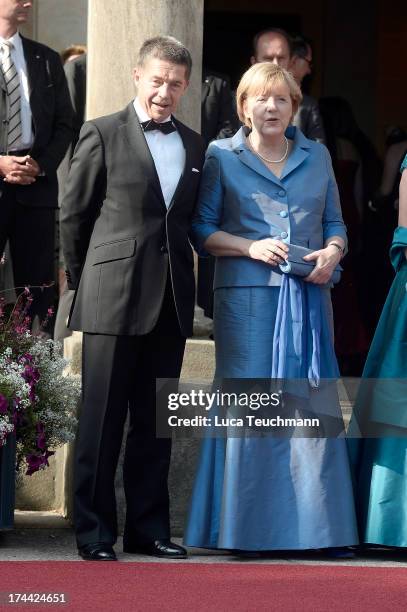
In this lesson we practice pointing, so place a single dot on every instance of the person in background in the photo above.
(351, 336)
(372, 271)
(35, 131)
(218, 120)
(72, 52)
(308, 118)
(388, 193)
(75, 72)
(262, 190)
(276, 46)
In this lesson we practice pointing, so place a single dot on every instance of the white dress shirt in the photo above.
(168, 153)
(17, 55)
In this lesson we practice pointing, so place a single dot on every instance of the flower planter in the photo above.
(7, 482)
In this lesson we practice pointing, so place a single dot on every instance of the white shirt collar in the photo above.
(15, 40)
(141, 113)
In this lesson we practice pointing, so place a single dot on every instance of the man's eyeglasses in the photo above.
(309, 62)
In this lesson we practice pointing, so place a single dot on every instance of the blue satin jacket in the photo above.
(239, 195)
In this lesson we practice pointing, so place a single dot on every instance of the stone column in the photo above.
(60, 24)
(116, 31)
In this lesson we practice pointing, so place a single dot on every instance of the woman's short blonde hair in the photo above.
(260, 79)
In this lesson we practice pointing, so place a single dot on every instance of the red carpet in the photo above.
(208, 587)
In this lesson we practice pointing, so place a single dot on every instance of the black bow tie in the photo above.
(166, 127)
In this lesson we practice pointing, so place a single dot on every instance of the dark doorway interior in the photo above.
(227, 44)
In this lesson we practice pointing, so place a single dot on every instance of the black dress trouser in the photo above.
(119, 375)
(31, 234)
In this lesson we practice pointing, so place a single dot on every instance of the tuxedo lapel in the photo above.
(188, 162)
(133, 133)
(33, 59)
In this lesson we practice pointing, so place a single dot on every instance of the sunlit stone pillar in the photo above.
(116, 30)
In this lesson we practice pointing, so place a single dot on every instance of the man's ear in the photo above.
(253, 60)
(136, 75)
(293, 62)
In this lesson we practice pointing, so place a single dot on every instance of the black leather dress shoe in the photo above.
(159, 548)
(97, 552)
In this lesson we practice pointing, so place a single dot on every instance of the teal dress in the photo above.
(380, 462)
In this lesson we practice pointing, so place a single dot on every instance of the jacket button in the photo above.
(281, 193)
(283, 234)
(283, 213)
(163, 249)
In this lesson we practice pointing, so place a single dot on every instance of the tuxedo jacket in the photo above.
(119, 240)
(51, 110)
(218, 117)
(308, 119)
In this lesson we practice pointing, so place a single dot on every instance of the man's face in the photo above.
(160, 86)
(272, 47)
(15, 11)
(301, 66)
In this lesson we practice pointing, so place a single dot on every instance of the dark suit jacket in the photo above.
(52, 121)
(309, 120)
(118, 238)
(75, 72)
(218, 117)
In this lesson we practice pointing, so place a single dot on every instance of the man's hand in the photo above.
(326, 261)
(19, 170)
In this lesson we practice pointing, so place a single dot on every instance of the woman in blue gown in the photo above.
(380, 461)
(263, 189)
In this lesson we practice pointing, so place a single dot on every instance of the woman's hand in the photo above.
(269, 250)
(326, 261)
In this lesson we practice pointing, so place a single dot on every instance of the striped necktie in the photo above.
(14, 97)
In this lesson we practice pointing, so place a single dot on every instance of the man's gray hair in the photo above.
(166, 48)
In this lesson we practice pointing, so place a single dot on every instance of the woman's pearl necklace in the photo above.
(270, 161)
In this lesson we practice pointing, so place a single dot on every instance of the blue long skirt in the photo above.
(266, 493)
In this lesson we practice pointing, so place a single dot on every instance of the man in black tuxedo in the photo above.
(125, 218)
(35, 130)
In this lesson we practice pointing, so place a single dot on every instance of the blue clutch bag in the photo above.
(296, 265)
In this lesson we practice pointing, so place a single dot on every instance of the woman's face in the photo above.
(270, 113)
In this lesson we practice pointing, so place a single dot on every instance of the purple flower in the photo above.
(41, 439)
(31, 374)
(36, 462)
(3, 404)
